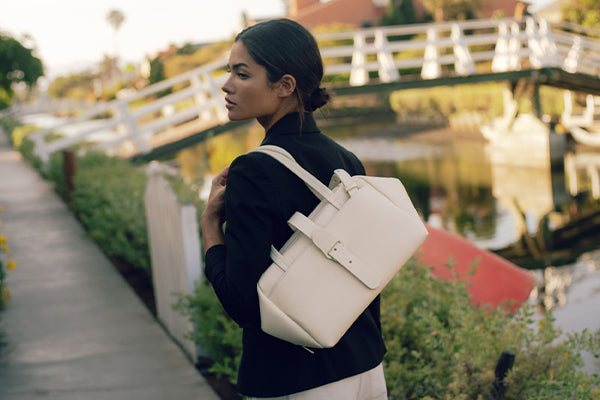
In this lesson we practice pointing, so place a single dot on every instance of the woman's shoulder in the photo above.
(251, 168)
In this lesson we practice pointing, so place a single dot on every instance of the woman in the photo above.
(275, 72)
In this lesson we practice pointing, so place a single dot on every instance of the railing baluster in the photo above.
(431, 66)
(464, 64)
(359, 75)
(388, 71)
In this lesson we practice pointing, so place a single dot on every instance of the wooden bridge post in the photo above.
(464, 64)
(571, 63)
(507, 48)
(431, 65)
(594, 174)
(544, 52)
(571, 173)
(359, 75)
(387, 70)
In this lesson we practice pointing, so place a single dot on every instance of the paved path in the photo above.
(74, 328)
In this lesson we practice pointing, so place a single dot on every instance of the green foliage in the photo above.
(109, 200)
(440, 346)
(19, 133)
(217, 334)
(9, 124)
(27, 146)
(582, 12)
(77, 86)
(17, 64)
(446, 100)
(183, 61)
(484, 98)
(399, 14)
(450, 10)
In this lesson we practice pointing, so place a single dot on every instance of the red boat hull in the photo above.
(496, 280)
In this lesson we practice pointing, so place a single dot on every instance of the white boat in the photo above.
(527, 141)
(589, 136)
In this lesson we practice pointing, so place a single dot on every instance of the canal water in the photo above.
(458, 183)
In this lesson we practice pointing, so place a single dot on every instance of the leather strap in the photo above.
(278, 259)
(347, 181)
(315, 185)
(335, 250)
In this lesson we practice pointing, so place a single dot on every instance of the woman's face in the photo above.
(249, 94)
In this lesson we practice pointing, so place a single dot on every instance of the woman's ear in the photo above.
(287, 85)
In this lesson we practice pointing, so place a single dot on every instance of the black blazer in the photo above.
(260, 196)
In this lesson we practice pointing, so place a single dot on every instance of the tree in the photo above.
(17, 64)
(115, 18)
(582, 12)
(446, 10)
(399, 13)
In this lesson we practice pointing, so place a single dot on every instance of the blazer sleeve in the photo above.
(235, 268)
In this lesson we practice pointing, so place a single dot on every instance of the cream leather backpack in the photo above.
(339, 258)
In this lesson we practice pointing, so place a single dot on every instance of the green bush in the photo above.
(442, 347)
(109, 201)
(439, 345)
(215, 333)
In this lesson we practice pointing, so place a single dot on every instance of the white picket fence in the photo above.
(436, 50)
(175, 254)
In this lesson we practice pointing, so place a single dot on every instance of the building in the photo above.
(356, 13)
(361, 13)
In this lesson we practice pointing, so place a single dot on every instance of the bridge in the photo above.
(149, 123)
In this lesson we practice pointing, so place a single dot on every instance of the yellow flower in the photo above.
(11, 265)
(2, 239)
(5, 247)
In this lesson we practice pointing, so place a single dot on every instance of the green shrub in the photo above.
(109, 201)
(215, 333)
(442, 347)
(19, 133)
(439, 345)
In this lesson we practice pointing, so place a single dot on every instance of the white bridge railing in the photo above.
(361, 57)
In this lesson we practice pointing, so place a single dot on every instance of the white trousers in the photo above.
(369, 385)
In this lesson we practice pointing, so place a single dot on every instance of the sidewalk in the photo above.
(74, 328)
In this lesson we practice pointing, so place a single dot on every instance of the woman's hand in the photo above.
(213, 215)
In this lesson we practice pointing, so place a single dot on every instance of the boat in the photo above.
(496, 281)
(588, 137)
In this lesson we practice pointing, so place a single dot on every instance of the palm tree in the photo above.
(115, 18)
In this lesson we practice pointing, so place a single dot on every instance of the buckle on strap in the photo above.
(335, 250)
(362, 271)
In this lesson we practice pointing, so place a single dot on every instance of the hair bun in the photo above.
(318, 98)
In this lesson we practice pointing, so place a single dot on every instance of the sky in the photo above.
(70, 35)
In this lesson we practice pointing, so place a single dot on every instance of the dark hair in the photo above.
(283, 46)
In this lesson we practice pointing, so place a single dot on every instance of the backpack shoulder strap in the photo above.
(285, 158)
